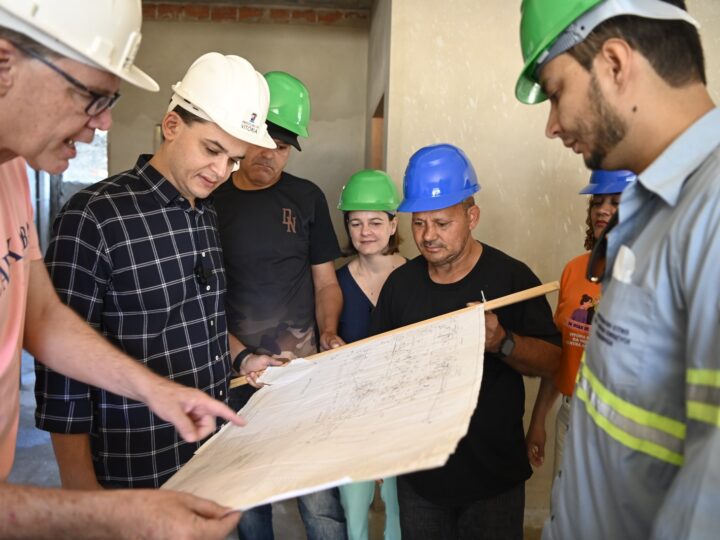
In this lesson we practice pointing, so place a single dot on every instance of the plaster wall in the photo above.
(331, 61)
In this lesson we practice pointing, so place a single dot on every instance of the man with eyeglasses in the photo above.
(138, 256)
(46, 49)
(627, 90)
(97, 103)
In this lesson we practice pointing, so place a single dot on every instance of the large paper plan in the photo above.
(386, 405)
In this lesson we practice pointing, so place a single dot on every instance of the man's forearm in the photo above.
(546, 397)
(235, 346)
(74, 457)
(328, 306)
(328, 298)
(534, 357)
(31, 512)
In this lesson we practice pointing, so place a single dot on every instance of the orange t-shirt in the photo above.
(577, 302)
(18, 246)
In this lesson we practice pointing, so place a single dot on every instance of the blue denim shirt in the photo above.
(641, 461)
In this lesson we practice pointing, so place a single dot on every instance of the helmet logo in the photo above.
(435, 192)
(249, 125)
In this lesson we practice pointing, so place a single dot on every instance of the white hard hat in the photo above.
(104, 34)
(228, 91)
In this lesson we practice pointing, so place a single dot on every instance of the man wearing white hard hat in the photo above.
(61, 64)
(627, 89)
(138, 256)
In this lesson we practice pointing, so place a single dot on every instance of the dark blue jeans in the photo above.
(321, 513)
(496, 518)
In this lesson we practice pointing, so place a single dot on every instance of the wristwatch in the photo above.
(238, 360)
(507, 345)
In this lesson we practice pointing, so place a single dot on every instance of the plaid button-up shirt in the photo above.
(131, 256)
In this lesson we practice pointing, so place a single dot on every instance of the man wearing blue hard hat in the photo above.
(627, 89)
(480, 492)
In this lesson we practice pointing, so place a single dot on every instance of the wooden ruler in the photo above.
(497, 303)
(521, 296)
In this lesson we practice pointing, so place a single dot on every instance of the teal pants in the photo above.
(356, 499)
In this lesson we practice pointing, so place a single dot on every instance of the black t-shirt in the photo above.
(491, 458)
(270, 238)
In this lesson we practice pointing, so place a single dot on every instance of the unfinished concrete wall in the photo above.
(330, 60)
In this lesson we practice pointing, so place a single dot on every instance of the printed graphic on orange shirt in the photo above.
(289, 220)
(580, 321)
(586, 311)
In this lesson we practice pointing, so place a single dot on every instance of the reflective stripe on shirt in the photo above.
(632, 426)
(703, 395)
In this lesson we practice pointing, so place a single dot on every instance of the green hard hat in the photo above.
(289, 102)
(369, 190)
(541, 23)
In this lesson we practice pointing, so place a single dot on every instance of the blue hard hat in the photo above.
(437, 176)
(604, 182)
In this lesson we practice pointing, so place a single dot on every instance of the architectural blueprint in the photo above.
(390, 404)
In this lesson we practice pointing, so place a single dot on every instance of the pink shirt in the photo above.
(18, 246)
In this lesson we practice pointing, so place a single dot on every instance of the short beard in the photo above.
(608, 129)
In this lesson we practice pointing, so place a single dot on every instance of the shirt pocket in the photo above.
(620, 333)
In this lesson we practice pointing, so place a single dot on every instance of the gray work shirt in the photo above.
(643, 456)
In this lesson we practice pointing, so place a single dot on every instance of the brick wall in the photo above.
(172, 11)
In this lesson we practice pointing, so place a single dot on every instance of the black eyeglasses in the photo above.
(98, 102)
(596, 263)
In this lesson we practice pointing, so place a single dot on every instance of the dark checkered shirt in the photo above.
(145, 269)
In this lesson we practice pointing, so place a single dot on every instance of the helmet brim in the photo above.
(367, 207)
(295, 128)
(527, 90)
(605, 189)
(137, 77)
(428, 204)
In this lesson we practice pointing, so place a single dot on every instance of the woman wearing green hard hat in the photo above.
(369, 201)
